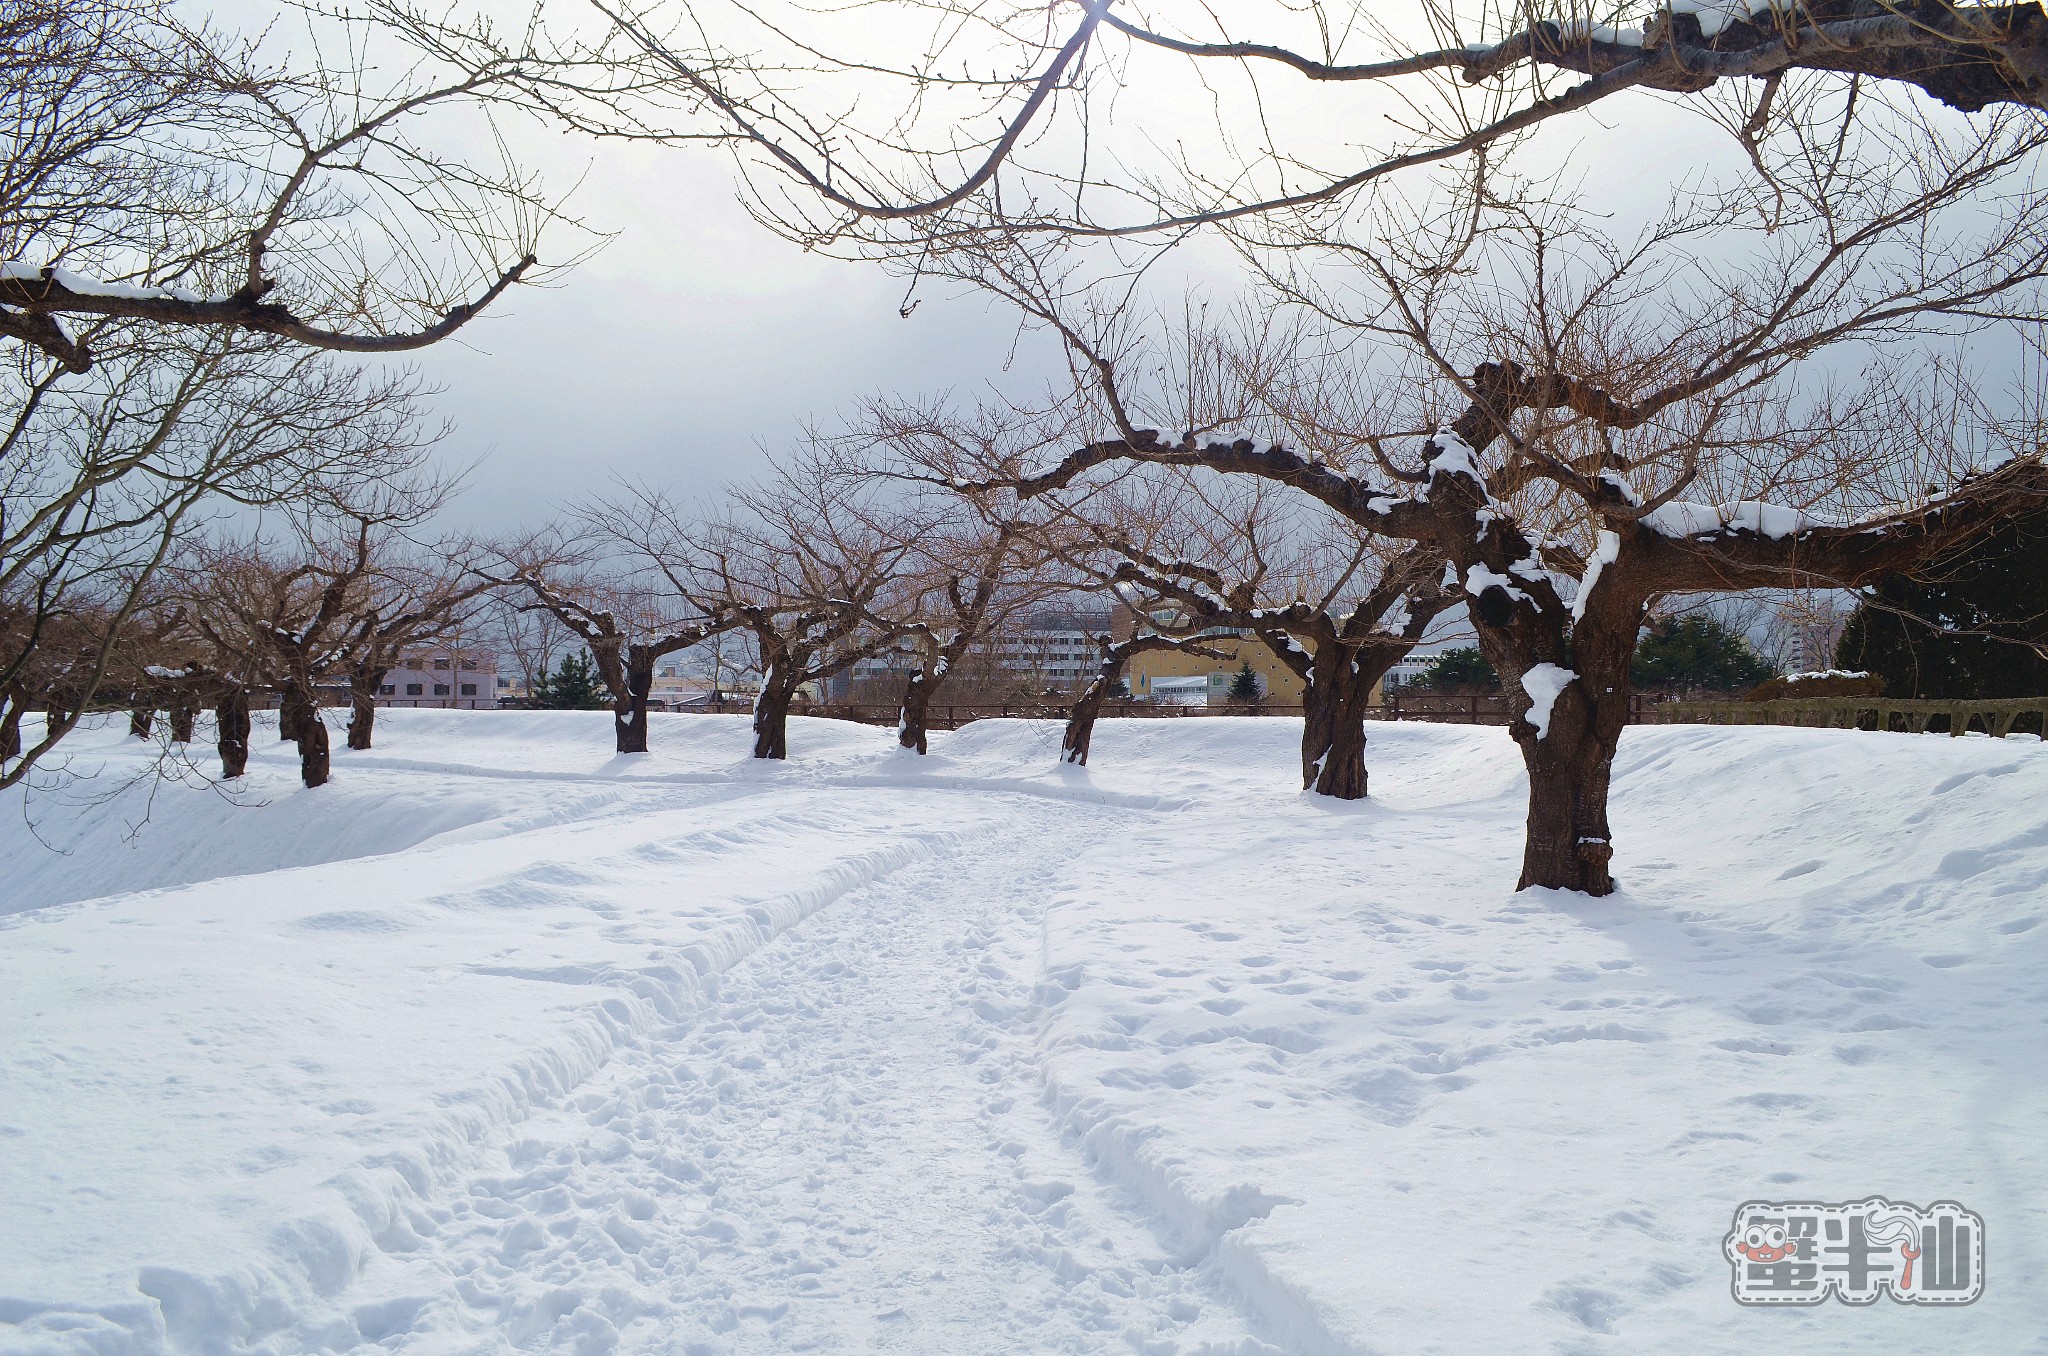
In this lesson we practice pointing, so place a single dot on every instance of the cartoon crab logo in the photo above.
(1762, 1242)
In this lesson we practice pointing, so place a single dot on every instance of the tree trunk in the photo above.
(1568, 846)
(231, 715)
(1333, 742)
(183, 716)
(141, 720)
(1081, 720)
(10, 729)
(294, 709)
(771, 714)
(629, 708)
(1334, 704)
(1570, 762)
(362, 706)
(914, 716)
(314, 757)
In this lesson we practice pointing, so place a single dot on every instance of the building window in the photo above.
(414, 689)
(504, 682)
(440, 663)
(469, 665)
(440, 689)
(388, 690)
(469, 689)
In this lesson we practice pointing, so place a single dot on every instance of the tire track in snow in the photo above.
(847, 1149)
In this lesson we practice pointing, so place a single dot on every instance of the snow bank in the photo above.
(1319, 1047)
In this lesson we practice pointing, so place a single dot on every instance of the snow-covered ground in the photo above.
(503, 1042)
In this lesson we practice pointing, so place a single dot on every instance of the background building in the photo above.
(465, 680)
(1175, 676)
(1051, 649)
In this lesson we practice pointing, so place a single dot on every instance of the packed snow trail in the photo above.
(845, 1149)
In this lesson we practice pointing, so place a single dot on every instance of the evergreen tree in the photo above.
(1693, 653)
(574, 687)
(1245, 686)
(1949, 630)
(1460, 670)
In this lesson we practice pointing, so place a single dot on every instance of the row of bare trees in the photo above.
(193, 220)
(319, 597)
(1801, 354)
(1462, 387)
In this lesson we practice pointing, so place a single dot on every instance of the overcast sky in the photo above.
(691, 342)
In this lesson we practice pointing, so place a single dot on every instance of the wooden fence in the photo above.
(1996, 718)
(1475, 708)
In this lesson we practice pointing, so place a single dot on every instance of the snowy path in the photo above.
(846, 1149)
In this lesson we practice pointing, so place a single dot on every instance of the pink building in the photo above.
(443, 676)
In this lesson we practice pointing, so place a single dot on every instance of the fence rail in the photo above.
(1475, 708)
(1995, 717)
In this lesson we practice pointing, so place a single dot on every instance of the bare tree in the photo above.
(315, 603)
(1321, 598)
(1333, 605)
(1079, 734)
(616, 583)
(972, 590)
(165, 172)
(974, 567)
(1582, 427)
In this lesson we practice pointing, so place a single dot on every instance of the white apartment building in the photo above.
(465, 680)
(1056, 645)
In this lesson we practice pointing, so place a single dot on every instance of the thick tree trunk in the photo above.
(629, 708)
(914, 716)
(362, 706)
(1568, 846)
(629, 722)
(231, 716)
(1570, 759)
(1333, 743)
(141, 720)
(294, 710)
(314, 756)
(362, 717)
(10, 729)
(1334, 706)
(771, 715)
(1081, 720)
(1331, 764)
(184, 715)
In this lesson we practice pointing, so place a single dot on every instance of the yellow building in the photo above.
(1167, 675)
